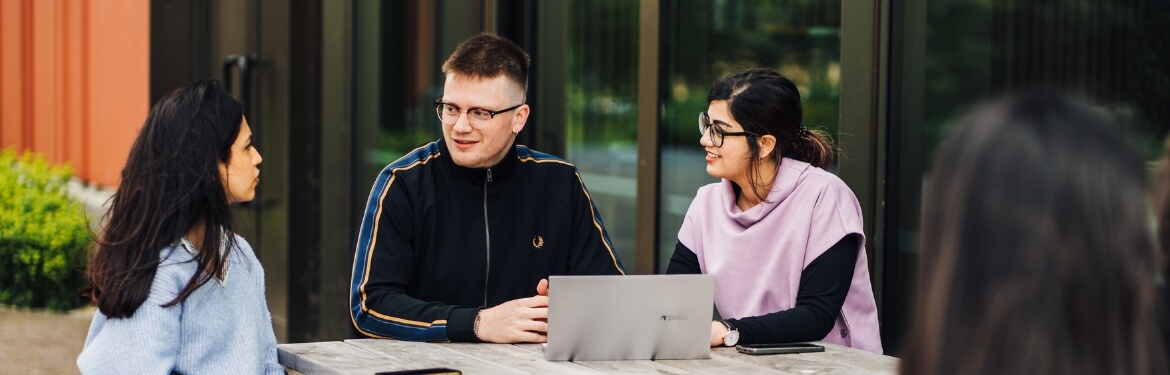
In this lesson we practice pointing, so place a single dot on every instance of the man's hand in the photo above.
(542, 288)
(518, 320)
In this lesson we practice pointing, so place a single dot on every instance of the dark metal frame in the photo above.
(863, 135)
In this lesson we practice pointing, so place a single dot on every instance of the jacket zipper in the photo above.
(488, 237)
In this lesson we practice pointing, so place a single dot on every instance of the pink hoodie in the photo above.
(757, 256)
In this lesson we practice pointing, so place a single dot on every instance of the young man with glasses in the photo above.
(459, 235)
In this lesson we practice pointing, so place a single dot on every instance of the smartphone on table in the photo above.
(762, 349)
(424, 371)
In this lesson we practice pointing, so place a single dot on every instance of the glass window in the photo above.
(399, 48)
(601, 115)
(704, 40)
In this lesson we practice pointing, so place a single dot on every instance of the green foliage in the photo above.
(43, 234)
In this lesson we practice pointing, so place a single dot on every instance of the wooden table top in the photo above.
(368, 356)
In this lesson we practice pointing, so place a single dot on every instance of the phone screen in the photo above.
(761, 349)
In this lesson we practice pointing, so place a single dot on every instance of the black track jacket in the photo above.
(438, 242)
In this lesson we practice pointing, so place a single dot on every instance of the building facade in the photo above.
(337, 89)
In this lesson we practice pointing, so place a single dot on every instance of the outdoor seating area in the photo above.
(393, 187)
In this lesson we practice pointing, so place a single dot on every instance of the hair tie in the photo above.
(804, 132)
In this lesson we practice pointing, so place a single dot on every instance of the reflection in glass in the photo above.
(399, 48)
(601, 119)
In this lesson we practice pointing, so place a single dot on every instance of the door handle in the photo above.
(244, 65)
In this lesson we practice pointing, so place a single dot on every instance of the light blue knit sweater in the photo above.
(222, 328)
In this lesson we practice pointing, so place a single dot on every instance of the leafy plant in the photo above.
(43, 234)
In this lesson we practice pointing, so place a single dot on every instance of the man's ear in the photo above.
(520, 119)
(767, 145)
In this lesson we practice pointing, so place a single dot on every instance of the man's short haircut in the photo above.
(488, 56)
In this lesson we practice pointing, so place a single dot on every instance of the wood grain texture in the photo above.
(719, 365)
(539, 348)
(333, 357)
(834, 360)
(633, 367)
(520, 359)
(874, 363)
(428, 355)
(366, 356)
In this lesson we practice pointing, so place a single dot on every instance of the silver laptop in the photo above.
(629, 317)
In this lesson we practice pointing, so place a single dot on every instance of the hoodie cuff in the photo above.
(460, 325)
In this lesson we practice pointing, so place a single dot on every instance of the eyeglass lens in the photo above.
(712, 132)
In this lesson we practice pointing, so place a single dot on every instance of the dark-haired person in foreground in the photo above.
(177, 291)
(1036, 253)
(459, 235)
(1161, 198)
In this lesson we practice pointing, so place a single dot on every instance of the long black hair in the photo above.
(170, 185)
(765, 102)
(1036, 251)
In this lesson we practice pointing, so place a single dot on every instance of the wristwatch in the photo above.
(732, 335)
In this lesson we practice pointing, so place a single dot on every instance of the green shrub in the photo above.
(43, 234)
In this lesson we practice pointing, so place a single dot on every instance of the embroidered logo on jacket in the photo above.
(537, 242)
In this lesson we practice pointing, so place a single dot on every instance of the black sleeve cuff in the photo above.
(684, 261)
(461, 325)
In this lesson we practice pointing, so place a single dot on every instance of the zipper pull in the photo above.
(489, 177)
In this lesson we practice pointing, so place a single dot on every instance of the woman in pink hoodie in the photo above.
(782, 236)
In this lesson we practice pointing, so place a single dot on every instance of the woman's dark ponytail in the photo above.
(814, 147)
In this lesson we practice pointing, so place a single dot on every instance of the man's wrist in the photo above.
(461, 324)
(475, 325)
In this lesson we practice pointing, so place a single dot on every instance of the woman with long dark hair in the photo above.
(782, 236)
(177, 290)
(1036, 254)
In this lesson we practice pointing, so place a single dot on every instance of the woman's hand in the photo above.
(718, 330)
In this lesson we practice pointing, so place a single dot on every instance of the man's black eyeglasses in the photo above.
(478, 118)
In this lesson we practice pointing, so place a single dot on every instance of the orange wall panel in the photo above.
(12, 77)
(74, 80)
(45, 107)
(72, 87)
(119, 82)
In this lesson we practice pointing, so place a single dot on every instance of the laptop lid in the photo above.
(629, 317)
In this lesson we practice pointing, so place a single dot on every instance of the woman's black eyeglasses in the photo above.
(716, 133)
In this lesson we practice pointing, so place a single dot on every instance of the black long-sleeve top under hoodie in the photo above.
(824, 284)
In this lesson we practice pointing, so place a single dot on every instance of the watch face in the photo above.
(731, 338)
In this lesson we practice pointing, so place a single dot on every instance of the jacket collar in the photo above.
(476, 176)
